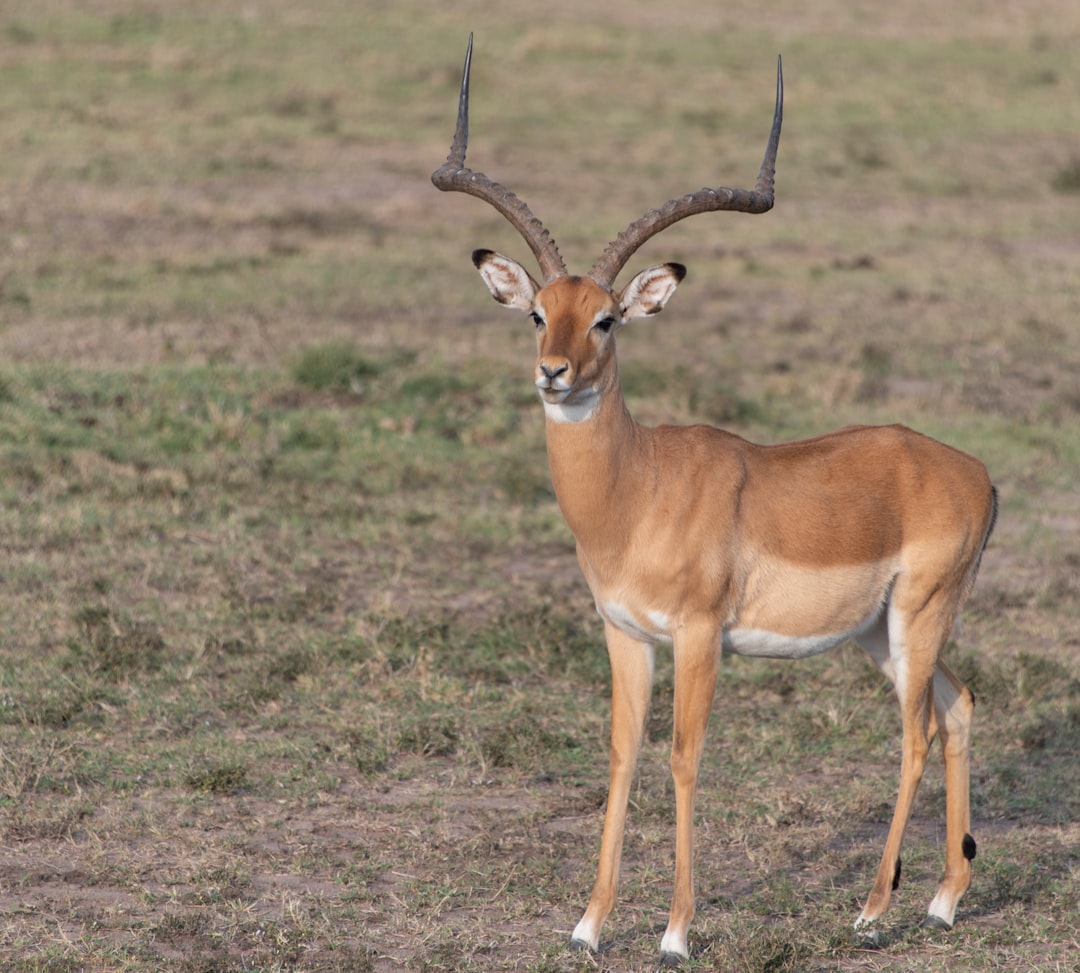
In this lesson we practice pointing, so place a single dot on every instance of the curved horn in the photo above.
(452, 176)
(756, 200)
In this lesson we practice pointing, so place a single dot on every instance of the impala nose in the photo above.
(551, 371)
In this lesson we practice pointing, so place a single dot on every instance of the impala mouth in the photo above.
(551, 391)
(552, 395)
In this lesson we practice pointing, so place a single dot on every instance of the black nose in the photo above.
(552, 372)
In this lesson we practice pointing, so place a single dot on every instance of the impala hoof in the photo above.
(670, 961)
(869, 939)
(935, 922)
(580, 946)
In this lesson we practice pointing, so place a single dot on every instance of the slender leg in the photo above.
(915, 745)
(953, 705)
(631, 685)
(697, 654)
(915, 641)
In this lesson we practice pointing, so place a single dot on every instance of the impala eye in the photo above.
(537, 320)
(605, 324)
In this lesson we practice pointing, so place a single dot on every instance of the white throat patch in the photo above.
(579, 410)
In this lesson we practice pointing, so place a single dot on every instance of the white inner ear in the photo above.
(508, 281)
(649, 291)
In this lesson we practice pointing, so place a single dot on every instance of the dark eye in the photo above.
(605, 324)
(537, 320)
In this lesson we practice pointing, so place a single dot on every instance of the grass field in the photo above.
(297, 671)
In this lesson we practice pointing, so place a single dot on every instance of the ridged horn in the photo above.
(452, 176)
(756, 200)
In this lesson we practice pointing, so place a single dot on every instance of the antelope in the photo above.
(694, 537)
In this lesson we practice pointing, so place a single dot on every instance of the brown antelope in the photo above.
(695, 537)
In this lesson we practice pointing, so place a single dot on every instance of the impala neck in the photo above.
(589, 459)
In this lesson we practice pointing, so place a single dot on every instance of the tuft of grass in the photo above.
(334, 367)
(223, 778)
(522, 482)
(430, 730)
(1025, 678)
(527, 741)
(1067, 178)
(1057, 726)
(369, 751)
(115, 647)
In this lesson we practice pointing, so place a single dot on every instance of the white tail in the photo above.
(694, 537)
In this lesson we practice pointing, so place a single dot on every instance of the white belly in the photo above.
(755, 642)
(652, 626)
(772, 645)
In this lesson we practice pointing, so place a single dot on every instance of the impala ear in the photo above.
(508, 281)
(650, 290)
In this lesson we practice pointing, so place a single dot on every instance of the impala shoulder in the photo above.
(701, 436)
(698, 450)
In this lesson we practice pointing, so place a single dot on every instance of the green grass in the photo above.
(297, 671)
(220, 608)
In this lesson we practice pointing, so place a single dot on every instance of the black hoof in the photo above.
(869, 939)
(670, 961)
(935, 922)
(580, 946)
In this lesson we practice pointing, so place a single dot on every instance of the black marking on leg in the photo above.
(969, 847)
(896, 876)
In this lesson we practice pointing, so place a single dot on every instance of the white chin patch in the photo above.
(580, 408)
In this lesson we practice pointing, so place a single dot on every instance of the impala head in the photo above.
(576, 317)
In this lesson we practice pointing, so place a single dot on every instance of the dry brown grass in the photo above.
(297, 672)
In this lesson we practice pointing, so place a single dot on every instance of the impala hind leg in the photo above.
(631, 686)
(946, 711)
(953, 709)
(916, 744)
(906, 652)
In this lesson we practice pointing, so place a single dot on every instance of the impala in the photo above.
(694, 537)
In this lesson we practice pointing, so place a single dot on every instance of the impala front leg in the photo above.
(631, 686)
(697, 655)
